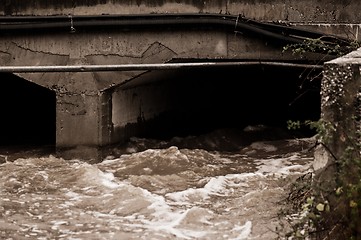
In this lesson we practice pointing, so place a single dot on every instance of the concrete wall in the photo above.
(330, 11)
(111, 47)
(340, 109)
(133, 108)
(94, 109)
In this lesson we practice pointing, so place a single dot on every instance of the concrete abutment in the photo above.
(168, 103)
(340, 111)
(97, 109)
(163, 104)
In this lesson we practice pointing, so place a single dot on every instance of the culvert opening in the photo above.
(28, 113)
(207, 99)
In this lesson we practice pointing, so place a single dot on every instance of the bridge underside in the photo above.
(198, 100)
(95, 109)
(160, 104)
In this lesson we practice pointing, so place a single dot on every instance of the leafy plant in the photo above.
(324, 45)
(330, 206)
(330, 210)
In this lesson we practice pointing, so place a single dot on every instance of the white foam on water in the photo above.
(244, 230)
(164, 219)
(263, 146)
(168, 221)
(223, 186)
(216, 186)
(90, 198)
(160, 216)
(93, 175)
(73, 195)
(281, 166)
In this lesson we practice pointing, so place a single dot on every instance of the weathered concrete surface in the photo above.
(330, 11)
(93, 109)
(337, 160)
(123, 48)
(340, 108)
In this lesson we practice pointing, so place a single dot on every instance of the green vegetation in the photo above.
(328, 204)
(327, 45)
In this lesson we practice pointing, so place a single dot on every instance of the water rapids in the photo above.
(216, 186)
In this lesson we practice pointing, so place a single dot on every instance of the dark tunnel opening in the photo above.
(202, 99)
(28, 113)
(236, 97)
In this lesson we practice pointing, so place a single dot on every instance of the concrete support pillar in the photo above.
(83, 125)
(88, 120)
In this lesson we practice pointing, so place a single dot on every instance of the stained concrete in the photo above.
(330, 11)
(102, 108)
(91, 110)
(340, 108)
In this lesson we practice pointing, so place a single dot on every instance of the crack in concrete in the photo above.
(36, 51)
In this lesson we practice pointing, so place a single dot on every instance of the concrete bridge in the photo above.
(89, 74)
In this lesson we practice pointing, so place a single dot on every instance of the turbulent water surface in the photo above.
(217, 186)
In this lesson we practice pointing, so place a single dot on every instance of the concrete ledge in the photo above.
(271, 10)
(83, 153)
(351, 58)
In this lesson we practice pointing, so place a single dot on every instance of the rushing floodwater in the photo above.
(186, 188)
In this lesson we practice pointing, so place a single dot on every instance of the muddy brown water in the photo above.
(216, 186)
